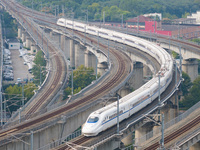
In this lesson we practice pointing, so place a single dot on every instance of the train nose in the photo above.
(89, 130)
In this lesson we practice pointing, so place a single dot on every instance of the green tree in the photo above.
(186, 84)
(193, 96)
(29, 90)
(67, 92)
(94, 11)
(39, 59)
(13, 95)
(9, 25)
(82, 77)
(39, 70)
(170, 9)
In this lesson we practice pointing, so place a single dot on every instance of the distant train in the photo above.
(106, 117)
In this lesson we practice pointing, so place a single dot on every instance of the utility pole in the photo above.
(162, 146)
(31, 140)
(108, 53)
(138, 24)
(122, 20)
(22, 93)
(63, 11)
(103, 17)
(87, 16)
(72, 83)
(159, 105)
(40, 76)
(180, 62)
(117, 114)
(1, 108)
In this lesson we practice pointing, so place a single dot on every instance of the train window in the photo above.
(61, 22)
(92, 120)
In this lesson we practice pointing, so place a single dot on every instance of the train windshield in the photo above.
(92, 119)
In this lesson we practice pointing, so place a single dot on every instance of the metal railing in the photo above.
(61, 141)
(168, 124)
(1, 69)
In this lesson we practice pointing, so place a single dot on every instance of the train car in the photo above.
(106, 117)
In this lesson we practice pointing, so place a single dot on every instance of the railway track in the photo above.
(74, 105)
(90, 141)
(176, 133)
(123, 67)
(112, 81)
(56, 77)
(168, 138)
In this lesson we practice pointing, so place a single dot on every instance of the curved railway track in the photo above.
(167, 139)
(176, 133)
(123, 67)
(56, 78)
(121, 71)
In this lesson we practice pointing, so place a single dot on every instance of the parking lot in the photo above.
(19, 69)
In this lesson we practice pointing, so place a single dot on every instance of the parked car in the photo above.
(7, 67)
(8, 78)
(7, 62)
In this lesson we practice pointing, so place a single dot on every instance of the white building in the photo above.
(13, 44)
(196, 16)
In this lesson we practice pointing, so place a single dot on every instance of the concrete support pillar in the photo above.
(79, 53)
(62, 42)
(87, 58)
(191, 68)
(23, 36)
(141, 132)
(72, 59)
(65, 46)
(128, 140)
(94, 64)
(33, 49)
(77, 56)
(19, 32)
(169, 111)
(195, 146)
(28, 42)
(101, 68)
(137, 78)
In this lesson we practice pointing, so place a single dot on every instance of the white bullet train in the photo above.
(106, 117)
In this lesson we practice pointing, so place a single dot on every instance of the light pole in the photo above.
(87, 16)
(22, 93)
(103, 17)
(122, 20)
(20, 114)
(108, 53)
(117, 114)
(1, 108)
(72, 82)
(180, 62)
(159, 105)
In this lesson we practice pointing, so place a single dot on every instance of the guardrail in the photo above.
(61, 141)
(130, 123)
(1, 68)
(187, 138)
(167, 125)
